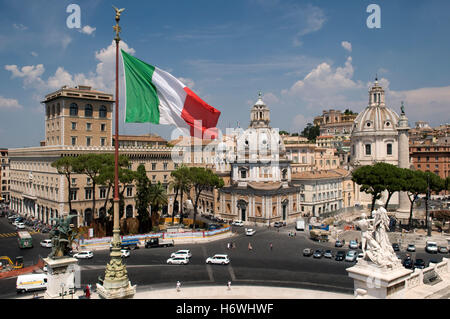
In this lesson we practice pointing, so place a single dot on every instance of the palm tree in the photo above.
(158, 198)
(181, 185)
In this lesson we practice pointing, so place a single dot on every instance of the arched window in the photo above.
(102, 111)
(73, 109)
(88, 110)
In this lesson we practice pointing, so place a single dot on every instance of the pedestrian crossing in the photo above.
(13, 234)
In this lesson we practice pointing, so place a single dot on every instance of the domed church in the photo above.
(260, 189)
(375, 138)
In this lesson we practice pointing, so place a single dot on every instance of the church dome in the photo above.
(376, 117)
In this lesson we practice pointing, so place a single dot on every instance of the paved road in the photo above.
(284, 265)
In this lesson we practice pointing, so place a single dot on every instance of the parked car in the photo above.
(307, 252)
(408, 263)
(238, 223)
(431, 247)
(250, 232)
(218, 259)
(396, 247)
(338, 243)
(443, 250)
(340, 255)
(125, 253)
(20, 225)
(84, 255)
(183, 252)
(419, 263)
(47, 243)
(318, 254)
(360, 256)
(179, 260)
(278, 224)
(351, 256)
(328, 254)
(411, 248)
(353, 244)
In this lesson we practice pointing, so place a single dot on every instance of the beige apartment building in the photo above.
(4, 176)
(78, 121)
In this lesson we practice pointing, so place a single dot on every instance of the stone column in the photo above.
(403, 157)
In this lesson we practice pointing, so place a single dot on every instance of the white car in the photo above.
(47, 243)
(179, 260)
(250, 232)
(351, 256)
(360, 256)
(20, 225)
(238, 223)
(84, 255)
(183, 252)
(218, 259)
(125, 253)
(431, 247)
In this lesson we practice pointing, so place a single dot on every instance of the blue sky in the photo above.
(305, 56)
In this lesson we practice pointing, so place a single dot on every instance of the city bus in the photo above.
(25, 240)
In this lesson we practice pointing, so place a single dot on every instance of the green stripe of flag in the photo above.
(142, 104)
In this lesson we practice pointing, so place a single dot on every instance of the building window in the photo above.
(153, 166)
(129, 191)
(88, 110)
(243, 173)
(88, 141)
(102, 192)
(102, 141)
(73, 195)
(74, 125)
(88, 194)
(73, 109)
(102, 111)
(88, 126)
(368, 149)
(74, 141)
(103, 127)
(165, 166)
(389, 149)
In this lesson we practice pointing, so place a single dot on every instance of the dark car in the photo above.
(318, 254)
(396, 247)
(408, 263)
(340, 255)
(419, 263)
(307, 252)
(338, 243)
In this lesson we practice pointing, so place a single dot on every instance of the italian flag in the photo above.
(155, 96)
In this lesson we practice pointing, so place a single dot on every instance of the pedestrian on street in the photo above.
(178, 286)
(229, 285)
(250, 246)
(88, 292)
(234, 245)
(271, 247)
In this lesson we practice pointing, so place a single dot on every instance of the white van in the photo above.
(26, 283)
(300, 225)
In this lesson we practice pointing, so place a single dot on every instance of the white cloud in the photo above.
(6, 103)
(30, 73)
(314, 19)
(34, 54)
(347, 46)
(87, 30)
(19, 26)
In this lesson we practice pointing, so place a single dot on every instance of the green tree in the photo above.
(143, 199)
(414, 183)
(158, 198)
(64, 166)
(203, 179)
(434, 184)
(181, 185)
(90, 165)
(371, 181)
(311, 132)
(392, 179)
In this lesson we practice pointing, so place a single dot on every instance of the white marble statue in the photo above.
(375, 243)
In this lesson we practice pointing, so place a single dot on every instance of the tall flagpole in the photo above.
(116, 283)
